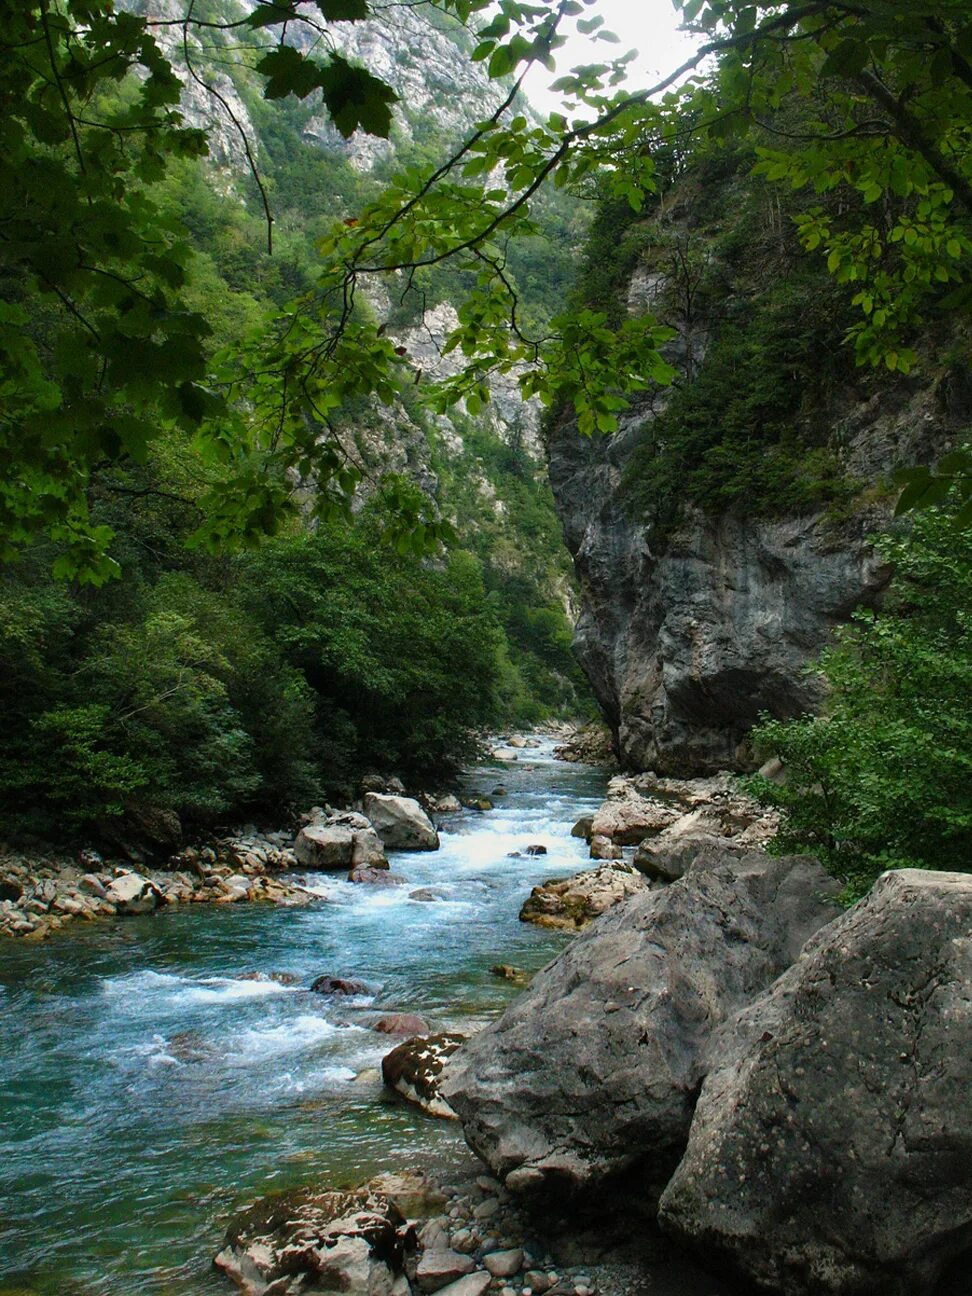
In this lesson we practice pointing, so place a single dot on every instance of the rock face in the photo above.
(400, 822)
(324, 1242)
(686, 639)
(595, 1069)
(568, 904)
(833, 1152)
(413, 1070)
(339, 841)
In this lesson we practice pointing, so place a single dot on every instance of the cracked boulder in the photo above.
(832, 1151)
(594, 1071)
(350, 1242)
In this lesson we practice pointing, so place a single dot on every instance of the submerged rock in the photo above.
(571, 903)
(353, 1243)
(400, 822)
(401, 1024)
(332, 985)
(413, 1070)
(596, 1067)
(832, 1151)
(376, 877)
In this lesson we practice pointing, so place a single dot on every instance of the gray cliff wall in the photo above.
(685, 644)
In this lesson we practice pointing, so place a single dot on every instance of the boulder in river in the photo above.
(630, 818)
(400, 822)
(401, 1024)
(505, 755)
(131, 893)
(831, 1151)
(584, 827)
(413, 1070)
(594, 1070)
(332, 985)
(339, 841)
(352, 1243)
(570, 903)
(376, 877)
(603, 848)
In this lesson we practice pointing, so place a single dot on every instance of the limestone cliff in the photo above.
(689, 630)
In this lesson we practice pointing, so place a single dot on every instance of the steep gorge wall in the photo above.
(688, 634)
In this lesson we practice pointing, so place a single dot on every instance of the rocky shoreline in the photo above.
(38, 897)
(456, 1232)
(723, 1065)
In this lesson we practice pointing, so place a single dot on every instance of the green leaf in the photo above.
(343, 10)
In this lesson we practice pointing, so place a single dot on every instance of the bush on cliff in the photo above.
(883, 779)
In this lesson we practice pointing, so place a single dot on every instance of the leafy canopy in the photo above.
(885, 90)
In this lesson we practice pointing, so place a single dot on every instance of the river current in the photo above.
(148, 1089)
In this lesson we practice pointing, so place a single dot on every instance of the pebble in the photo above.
(503, 1264)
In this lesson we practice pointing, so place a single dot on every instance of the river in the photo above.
(148, 1091)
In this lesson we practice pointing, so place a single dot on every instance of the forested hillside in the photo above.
(221, 683)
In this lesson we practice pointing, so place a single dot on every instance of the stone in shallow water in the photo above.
(332, 985)
(413, 1070)
(376, 877)
(401, 1024)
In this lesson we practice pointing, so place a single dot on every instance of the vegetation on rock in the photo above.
(883, 778)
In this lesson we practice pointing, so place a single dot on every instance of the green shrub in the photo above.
(883, 779)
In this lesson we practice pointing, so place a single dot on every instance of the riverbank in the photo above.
(456, 1231)
(39, 897)
(41, 892)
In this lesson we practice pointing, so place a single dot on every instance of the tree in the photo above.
(881, 97)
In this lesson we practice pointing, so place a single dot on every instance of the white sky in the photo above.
(649, 26)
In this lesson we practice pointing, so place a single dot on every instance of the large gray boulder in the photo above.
(340, 841)
(832, 1151)
(400, 822)
(594, 1070)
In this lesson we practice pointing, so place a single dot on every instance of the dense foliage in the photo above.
(883, 778)
(748, 424)
(221, 687)
(92, 121)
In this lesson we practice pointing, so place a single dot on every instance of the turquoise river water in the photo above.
(147, 1091)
